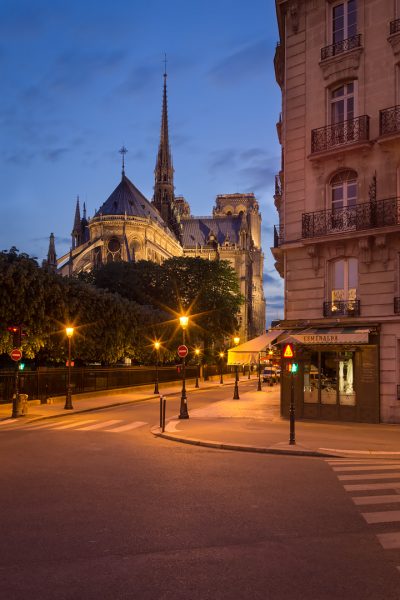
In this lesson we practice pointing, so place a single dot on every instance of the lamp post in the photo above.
(248, 376)
(183, 413)
(156, 348)
(259, 389)
(197, 353)
(68, 401)
(236, 341)
(221, 359)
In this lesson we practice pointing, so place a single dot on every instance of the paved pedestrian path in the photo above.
(251, 424)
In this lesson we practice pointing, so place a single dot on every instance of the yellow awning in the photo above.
(249, 352)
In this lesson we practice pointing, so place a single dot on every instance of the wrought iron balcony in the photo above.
(342, 308)
(340, 134)
(397, 305)
(343, 46)
(278, 235)
(389, 120)
(367, 215)
(394, 26)
(278, 186)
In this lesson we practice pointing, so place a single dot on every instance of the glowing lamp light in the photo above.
(157, 345)
(69, 331)
(184, 321)
(236, 340)
(221, 354)
(197, 351)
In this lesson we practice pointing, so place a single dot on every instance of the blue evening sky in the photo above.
(79, 79)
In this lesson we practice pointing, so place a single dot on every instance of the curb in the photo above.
(239, 447)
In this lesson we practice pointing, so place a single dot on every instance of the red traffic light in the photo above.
(13, 328)
(288, 351)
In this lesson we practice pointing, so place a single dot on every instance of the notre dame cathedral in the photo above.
(128, 227)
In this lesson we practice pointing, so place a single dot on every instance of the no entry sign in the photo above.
(16, 354)
(182, 351)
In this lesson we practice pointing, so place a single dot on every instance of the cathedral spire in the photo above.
(77, 225)
(51, 263)
(164, 198)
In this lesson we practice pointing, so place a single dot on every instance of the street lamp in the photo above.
(221, 358)
(68, 401)
(183, 413)
(259, 389)
(197, 353)
(236, 341)
(156, 348)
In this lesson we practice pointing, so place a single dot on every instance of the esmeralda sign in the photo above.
(331, 338)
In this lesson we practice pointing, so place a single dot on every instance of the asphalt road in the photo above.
(94, 507)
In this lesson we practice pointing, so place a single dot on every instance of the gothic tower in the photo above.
(164, 198)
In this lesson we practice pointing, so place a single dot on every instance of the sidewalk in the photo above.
(251, 424)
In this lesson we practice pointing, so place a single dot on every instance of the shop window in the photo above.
(329, 378)
(344, 20)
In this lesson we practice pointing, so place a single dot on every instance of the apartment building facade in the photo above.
(337, 244)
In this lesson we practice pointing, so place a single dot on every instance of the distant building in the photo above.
(128, 227)
(337, 244)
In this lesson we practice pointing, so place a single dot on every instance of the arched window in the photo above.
(113, 250)
(343, 189)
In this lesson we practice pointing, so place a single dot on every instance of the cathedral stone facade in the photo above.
(128, 227)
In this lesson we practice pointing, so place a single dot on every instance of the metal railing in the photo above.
(389, 120)
(394, 26)
(278, 186)
(340, 134)
(342, 308)
(367, 215)
(43, 384)
(339, 47)
(278, 235)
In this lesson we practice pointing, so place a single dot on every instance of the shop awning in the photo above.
(249, 352)
(331, 336)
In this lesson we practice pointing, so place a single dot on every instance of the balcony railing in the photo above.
(342, 308)
(389, 120)
(339, 47)
(278, 235)
(367, 215)
(278, 186)
(394, 26)
(340, 134)
(397, 305)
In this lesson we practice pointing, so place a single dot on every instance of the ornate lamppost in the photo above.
(236, 341)
(183, 413)
(156, 348)
(197, 353)
(68, 401)
(221, 364)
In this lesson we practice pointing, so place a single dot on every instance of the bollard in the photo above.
(161, 410)
(163, 417)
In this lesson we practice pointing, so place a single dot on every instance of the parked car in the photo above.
(270, 375)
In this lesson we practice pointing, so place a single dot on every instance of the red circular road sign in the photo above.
(182, 351)
(16, 354)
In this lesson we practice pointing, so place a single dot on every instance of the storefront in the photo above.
(338, 376)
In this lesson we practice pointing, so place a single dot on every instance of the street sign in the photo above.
(288, 351)
(16, 354)
(182, 351)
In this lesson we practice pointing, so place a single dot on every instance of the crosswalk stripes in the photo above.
(112, 425)
(364, 471)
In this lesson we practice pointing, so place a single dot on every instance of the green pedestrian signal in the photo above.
(21, 366)
(294, 367)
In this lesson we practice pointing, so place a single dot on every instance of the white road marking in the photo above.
(362, 452)
(127, 427)
(374, 461)
(387, 516)
(46, 425)
(369, 476)
(99, 425)
(389, 541)
(362, 500)
(74, 424)
(364, 487)
(171, 426)
(389, 467)
(9, 422)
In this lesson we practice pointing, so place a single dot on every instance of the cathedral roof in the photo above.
(197, 230)
(127, 199)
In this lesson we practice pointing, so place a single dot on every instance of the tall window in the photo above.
(344, 189)
(344, 278)
(344, 20)
(342, 103)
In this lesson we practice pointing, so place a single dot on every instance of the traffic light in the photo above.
(16, 333)
(21, 366)
(294, 367)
